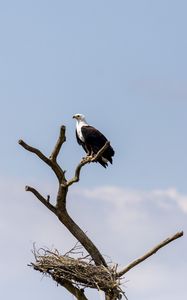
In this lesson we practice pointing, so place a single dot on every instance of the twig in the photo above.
(41, 198)
(85, 161)
(60, 141)
(149, 253)
(76, 247)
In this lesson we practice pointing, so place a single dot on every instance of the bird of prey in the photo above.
(92, 140)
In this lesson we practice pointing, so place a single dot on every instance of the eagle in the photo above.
(92, 140)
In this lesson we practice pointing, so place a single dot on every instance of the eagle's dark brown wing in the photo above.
(95, 140)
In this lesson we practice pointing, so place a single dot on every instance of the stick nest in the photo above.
(78, 271)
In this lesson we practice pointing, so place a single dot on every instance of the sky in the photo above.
(123, 65)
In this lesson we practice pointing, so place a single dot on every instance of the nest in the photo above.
(78, 271)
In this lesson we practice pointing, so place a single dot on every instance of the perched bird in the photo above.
(92, 140)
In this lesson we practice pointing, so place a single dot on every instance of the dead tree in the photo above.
(78, 273)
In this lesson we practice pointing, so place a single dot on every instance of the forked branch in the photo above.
(60, 208)
(49, 161)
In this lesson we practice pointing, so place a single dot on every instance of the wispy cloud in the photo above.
(137, 215)
(124, 197)
(140, 208)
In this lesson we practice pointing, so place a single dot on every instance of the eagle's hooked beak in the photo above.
(77, 116)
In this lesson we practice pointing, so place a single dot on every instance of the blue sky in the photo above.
(122, 64)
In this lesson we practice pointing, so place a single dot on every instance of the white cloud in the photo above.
(147, 212)
(123, 197)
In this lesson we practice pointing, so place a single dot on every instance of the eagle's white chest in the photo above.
(79, 131)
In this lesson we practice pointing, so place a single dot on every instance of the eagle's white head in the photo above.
(81, 121)
(79, 118)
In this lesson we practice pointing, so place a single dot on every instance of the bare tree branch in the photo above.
(35, 151)
(79, 234)
(85, 161)
(75, 230)
(77, 172)
(149, 253)
(41, 198)
(60, 208)
(52, 163)
(60, 141)
(62, 214)
(78, 293)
